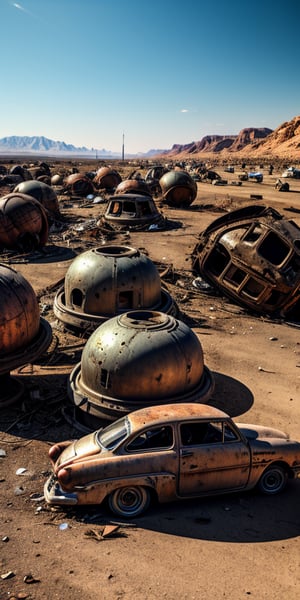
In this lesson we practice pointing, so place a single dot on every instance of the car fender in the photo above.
(164, 485)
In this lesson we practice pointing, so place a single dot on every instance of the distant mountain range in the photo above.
(283, 142)
(42, 145)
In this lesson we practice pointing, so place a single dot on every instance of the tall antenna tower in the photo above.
(123, 147)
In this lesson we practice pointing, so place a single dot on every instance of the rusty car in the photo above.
(169, 453)
(252, 254)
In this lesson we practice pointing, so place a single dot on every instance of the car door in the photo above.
(213, 457)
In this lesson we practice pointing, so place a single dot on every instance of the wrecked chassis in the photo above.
(252, 255)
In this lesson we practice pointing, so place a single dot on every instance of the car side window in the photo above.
(194, 434)
(152, 439)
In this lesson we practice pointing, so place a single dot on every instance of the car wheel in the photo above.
(273, 480)
(129, 501)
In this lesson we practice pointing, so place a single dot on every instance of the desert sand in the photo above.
(234, 546)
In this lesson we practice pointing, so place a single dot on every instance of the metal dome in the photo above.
(79, 185)
(57, 179)
(135, 186)
(24, 335)
(178, 188)
(107, 178)
(107, 281)
(141, 358)
(42, 192)
(23, 172)
(132, 210)
(23, 222)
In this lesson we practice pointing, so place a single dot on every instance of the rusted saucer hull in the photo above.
(87, 323)
(29, 353)
(101, 407)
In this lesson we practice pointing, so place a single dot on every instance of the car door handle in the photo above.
(187, 453)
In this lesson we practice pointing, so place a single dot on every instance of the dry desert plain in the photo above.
(228, 547)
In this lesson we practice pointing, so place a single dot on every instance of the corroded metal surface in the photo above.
(23, 222)
(140, 358)
(78, 185)
(107, 281)
(107, 178)
(173, 452)
(132, 209)
(133, 186)
(178, 188)
(253, 255)
(24, 335)
(42, 192)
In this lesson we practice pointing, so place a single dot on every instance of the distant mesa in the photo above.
(283, 142)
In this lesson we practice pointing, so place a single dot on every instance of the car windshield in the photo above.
(111, 436)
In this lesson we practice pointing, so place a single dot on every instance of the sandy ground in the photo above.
(234, 546)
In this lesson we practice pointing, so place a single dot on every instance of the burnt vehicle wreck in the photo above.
(252, 255)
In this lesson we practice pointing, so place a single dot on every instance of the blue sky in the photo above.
(161, 72)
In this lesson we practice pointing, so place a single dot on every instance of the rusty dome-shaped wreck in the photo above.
(106, 281)
(253, 256)
(24, 334)
(138, 359)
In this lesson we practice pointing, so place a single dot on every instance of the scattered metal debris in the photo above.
(106, 532)
(8, 575)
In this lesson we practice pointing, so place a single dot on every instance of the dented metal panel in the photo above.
(173, 452)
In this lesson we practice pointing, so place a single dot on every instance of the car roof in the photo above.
(154, 415)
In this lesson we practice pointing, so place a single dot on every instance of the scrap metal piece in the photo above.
(140, 358)
(107, 281)
(178, 188)
(253, 256)
(23, 222)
